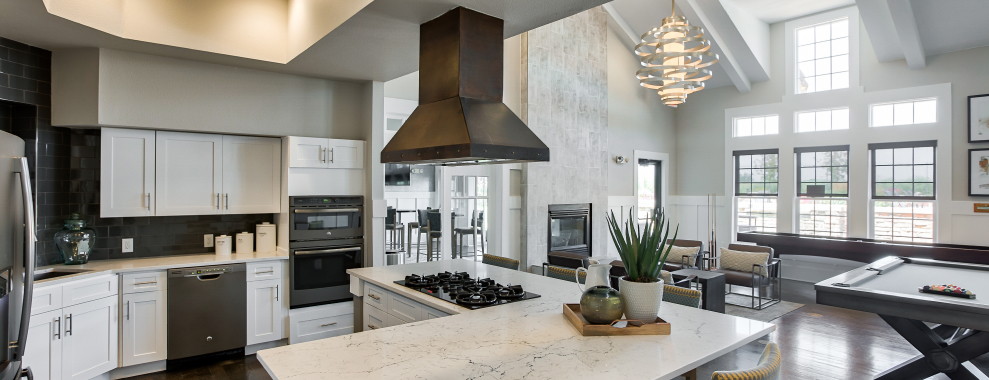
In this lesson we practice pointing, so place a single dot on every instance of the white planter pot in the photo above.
(641, 299)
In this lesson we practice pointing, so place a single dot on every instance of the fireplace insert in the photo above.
(570, 228)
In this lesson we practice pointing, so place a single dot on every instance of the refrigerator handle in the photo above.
(29, 251)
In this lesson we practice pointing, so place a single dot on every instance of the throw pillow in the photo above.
(742, 261)
(677, 254)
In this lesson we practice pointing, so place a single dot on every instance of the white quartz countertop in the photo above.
(100, 267)
(524, 340)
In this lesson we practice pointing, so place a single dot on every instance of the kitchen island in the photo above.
(524, 339)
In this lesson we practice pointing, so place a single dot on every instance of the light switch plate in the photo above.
(208, 240)
(127, 245)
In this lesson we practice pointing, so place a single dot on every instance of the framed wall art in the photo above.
(978, 172)
(978, 118)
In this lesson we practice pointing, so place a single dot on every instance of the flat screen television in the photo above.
(398, 174)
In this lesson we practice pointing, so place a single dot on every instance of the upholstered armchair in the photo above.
(755, 267)
(684, 254)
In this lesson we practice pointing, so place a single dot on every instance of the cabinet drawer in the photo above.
(77, 292)
(404, 309)
(264, 270)
(430, 313)
(319, 328)
(375, 319)
(142, 282)
(46, 299)
(376, 297)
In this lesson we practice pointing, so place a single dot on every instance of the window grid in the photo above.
(905, 221)
(757, 173)
(823, 217)
(822, 57)
(822, 120)
(822, 166)
(755, 214)
(920, 111)
(903, 171)
(756, 126)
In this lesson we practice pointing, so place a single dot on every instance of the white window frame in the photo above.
(796, 119)
(935, 212)
(736, 119)
(894, 103)
(790, 43)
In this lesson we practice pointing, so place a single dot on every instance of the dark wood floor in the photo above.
(818, 342)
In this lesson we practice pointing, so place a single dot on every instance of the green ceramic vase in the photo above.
(601, 305)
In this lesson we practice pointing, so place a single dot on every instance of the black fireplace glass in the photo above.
(568, 232)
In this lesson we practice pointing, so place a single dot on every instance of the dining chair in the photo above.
(434, 227)
(476, 229)
(499, 261)
(422, 228)
(767, 369)
(682, 296)
(396, 239)
(561, 273)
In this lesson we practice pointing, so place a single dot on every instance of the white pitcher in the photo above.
(597, 274)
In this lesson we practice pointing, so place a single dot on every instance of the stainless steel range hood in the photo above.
(461, 119)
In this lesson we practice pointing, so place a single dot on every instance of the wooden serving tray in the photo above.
(572, 312)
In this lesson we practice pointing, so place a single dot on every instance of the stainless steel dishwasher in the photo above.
(207, 310)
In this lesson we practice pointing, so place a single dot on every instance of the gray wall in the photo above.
(566, 97)
(637, 119)
(146, 91)
(701, 120)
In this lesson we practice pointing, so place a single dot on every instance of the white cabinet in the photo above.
(127, 172)
(143, 321)
(146, 173)
(267, 302)
(44, 345)
(251, 175)
(74, 336)
(266, 319)
(310, 152)
(188, 167)
(89, 344)
(323, 321)
(383, 308)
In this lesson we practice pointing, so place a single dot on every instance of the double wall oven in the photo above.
(326, 237)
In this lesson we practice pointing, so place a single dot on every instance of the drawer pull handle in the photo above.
(372, 327)
(146, 283)
(265, 272)
(327, 324)
(374, 297)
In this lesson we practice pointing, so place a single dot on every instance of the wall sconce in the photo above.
(621, 160)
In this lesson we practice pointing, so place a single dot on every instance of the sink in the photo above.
(54, 273)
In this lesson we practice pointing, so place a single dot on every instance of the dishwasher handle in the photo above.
(207, 277)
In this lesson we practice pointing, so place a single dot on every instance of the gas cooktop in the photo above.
(461, 289)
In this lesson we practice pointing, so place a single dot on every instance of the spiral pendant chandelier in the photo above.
(673, 59)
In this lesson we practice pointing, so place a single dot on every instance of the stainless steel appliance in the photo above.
(207, 310)
(319, 270)
(325, 217)
(325, 239)
(17, 244)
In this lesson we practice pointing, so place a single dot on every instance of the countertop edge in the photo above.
(419, 297)
(104, 267)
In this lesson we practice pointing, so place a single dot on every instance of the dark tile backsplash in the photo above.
(65, 171)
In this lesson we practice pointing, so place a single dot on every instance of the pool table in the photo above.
(957, 329)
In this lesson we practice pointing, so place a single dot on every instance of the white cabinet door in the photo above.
(375, 319)
(143, 328)
(44, 345)
(127, 172)
(251, 175)
(89, 341)
(346, 154)
(265, 314)
(187, 168)
(308, 152)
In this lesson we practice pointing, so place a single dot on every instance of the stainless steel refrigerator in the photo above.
(17, 244)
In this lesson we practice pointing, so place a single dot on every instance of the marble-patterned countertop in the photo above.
(101, 267)
(524, 340)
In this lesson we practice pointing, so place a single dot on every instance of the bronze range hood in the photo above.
(461, 119)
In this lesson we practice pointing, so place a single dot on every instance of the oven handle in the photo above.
(321, 210)
(332, 250)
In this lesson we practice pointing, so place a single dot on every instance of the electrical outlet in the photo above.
(208, 240)
(127, 245)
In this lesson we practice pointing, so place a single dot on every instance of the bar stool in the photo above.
(476, 228)
(422, 228)
(394, 229)
(434, 230)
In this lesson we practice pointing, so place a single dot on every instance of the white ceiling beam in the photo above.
(622, 24)
(905, 23)
(696, 11)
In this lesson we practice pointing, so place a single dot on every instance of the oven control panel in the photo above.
(326, 201)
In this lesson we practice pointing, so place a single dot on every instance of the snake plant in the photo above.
(643, 248)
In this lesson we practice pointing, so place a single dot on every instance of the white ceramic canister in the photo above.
(266, 237)
(245, 243)
(223, 245)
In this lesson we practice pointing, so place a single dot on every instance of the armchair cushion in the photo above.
(677, 253)
(741, 261)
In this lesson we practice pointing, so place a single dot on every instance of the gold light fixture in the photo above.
(673, 59)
